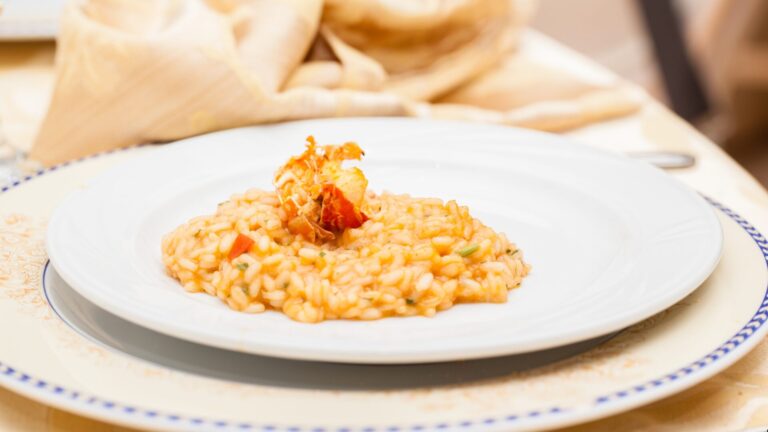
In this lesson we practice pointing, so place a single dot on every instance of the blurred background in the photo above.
(705, 59)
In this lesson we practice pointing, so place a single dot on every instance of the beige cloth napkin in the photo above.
(135, 71)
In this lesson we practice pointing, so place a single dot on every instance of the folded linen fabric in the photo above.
(138, 71)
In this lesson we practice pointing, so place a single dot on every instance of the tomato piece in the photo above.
(338, 213)
(241, 245)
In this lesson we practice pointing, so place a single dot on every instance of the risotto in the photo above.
(402, 256)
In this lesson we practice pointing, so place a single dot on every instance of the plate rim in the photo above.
(85, 404)
(318, 353)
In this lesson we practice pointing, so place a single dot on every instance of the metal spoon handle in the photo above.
(665, 160)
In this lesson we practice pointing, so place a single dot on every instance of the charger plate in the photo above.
(44, 358)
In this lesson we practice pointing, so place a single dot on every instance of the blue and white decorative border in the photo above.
(747, 331)
(105, 409)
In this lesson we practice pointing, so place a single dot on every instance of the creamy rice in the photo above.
(414, 256)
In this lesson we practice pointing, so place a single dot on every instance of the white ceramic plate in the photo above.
(611, 241)
(118, 375)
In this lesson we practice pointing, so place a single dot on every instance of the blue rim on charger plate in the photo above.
(748, 336)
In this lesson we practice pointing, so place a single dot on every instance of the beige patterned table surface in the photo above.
(733, 400)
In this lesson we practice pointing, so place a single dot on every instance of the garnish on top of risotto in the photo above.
(322, 247)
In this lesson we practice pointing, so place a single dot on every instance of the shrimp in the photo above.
(320, 197)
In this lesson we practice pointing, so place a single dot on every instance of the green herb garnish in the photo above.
(242, 266)
(468, 250)
(512, 252)
(410, 301)
(322, 254)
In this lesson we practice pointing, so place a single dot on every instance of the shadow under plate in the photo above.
(123, 336)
